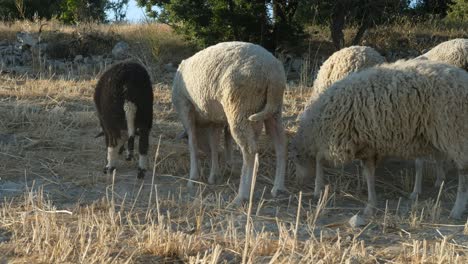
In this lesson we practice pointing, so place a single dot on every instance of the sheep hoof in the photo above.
(121, 150)
(190, 184)
(277, 191)
(141, 173)
(238, 201)
(369, 211)
(414, 196)
(107, 170)
(456, 214)
(129, 157)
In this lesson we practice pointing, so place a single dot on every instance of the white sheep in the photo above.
(407, 109)
(343, 62)
(239, 84)
(453, 52)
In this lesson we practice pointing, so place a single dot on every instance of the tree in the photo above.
(27, 9)
(267, 22)
(458, 11)
(73, 11)
(363, 14)
(118, 8)
(433, 7)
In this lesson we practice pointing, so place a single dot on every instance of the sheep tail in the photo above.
(130, 114)
(274, 100)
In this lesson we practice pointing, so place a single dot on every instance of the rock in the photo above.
(120, 50)
(9, 186)
(26, 39)
(356, 221)
(170, 67)
(78, 58)
(88, 60)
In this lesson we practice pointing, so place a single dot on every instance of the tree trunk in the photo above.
(337, 24)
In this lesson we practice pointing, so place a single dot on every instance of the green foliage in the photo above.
(119, 8)
(73, 11)
(207, 22)
(27, 9)
(458, 11)
(428, 8)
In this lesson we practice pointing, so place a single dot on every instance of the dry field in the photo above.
(57, 207)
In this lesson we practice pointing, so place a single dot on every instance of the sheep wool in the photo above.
(236, 84)
(343, 62)
(453, 52)
(407, 109)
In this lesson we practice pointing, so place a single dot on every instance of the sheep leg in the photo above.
(143, 145)
(112, 154)
(130, 147)
(462, 195)
(418, 163)
(440, 170)
(228, 145)
(245, 136)
(319, 177)
(369, 172)
(274, 127)
(214, 135)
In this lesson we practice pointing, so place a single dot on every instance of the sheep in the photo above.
(339, 65)
(343, 62)
(453, 52)
(124, 103)
(237, 84)
(407, 109)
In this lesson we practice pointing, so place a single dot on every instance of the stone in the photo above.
(78, 58)
(170, 67)
(26, 39)
(120, 50)
(356, 221)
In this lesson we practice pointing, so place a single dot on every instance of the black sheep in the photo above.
(124, 103)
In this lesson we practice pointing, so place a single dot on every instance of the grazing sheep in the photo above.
(236, 84)
(407, 109)
(343, 62)
(339, 65)
(453, 52)
(124, 103)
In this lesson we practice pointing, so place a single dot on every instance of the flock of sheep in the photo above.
(362, 108)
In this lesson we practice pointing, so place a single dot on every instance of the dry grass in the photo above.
(66, 211)
(57, 207)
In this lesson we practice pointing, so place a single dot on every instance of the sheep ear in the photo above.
(100, 134)
(182, 135)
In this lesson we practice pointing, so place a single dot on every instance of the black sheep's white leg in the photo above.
(130, 110)
(113, 154)
(143, 145)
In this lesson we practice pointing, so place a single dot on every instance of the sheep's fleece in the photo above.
(407, 109)
(453, 52)
(239, 84)
(344, 62)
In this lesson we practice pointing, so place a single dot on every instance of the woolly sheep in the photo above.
(239, 84)
(124, 103)
(339, 65)
(407, 109)
(343, 62)
(453, 52)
